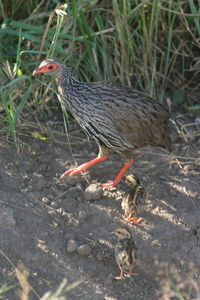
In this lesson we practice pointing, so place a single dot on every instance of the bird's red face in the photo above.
(45, 69)
(48, 67)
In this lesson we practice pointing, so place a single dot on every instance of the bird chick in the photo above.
(135, 201)
(125, 252)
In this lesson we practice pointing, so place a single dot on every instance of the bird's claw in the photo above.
(122, 277)
(119, 277)
(73, 171)
(131, 273)
(108, 185)
(133, 220)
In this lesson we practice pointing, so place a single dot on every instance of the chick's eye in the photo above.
(50, 67)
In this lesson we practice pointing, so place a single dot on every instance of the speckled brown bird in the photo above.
(135, 200)
(118, 118)
(125, 252)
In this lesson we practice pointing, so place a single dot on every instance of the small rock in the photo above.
(46, 200)
(84, 250)
(64, 214)
(197, 162)
(93, 192)
(187, 169)
(54, 204)
(55, 223)
(71, 246)
(60, 211)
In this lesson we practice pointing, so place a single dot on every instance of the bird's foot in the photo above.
(121, 277)
(133, 220)
(131, 273)
(83, 168)
(112, 183)
(73, 171)
(108, 185)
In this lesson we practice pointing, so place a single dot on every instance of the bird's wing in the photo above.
(126, 106)
(137, 117)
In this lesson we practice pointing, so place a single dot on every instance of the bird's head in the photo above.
(122, 233)
(132, 180)
(52, 67)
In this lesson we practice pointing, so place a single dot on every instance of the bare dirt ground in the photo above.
(40, 214)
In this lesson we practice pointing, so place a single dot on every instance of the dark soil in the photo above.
(39, 214)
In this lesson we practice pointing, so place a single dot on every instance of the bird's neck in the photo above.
(70, 91)
(67, 79)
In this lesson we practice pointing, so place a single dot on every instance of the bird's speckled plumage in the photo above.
(116, 117)
(125, 251)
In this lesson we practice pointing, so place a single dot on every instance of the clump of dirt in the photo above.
(57, 232)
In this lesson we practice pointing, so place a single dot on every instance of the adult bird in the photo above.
(118, 118)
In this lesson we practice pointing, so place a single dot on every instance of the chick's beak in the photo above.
(37, 71)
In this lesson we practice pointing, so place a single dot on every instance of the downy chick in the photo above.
(135, 201)
(125, 252)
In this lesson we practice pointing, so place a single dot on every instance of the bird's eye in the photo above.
(50, 67)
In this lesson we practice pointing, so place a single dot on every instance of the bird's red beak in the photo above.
(37, 71)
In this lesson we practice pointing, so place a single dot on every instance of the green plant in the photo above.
(150, 45)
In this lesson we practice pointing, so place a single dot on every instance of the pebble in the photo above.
(187, 168)
(84, 250)
(93, 192)
(197, 162)
(71, 246)
(46, 200)
(54, 204)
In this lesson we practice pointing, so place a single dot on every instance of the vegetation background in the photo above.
(151, 45)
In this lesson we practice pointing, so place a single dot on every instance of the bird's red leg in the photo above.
(130, 273)
(119, 176)
(84, 167)
(121, 276)
(133, 220)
